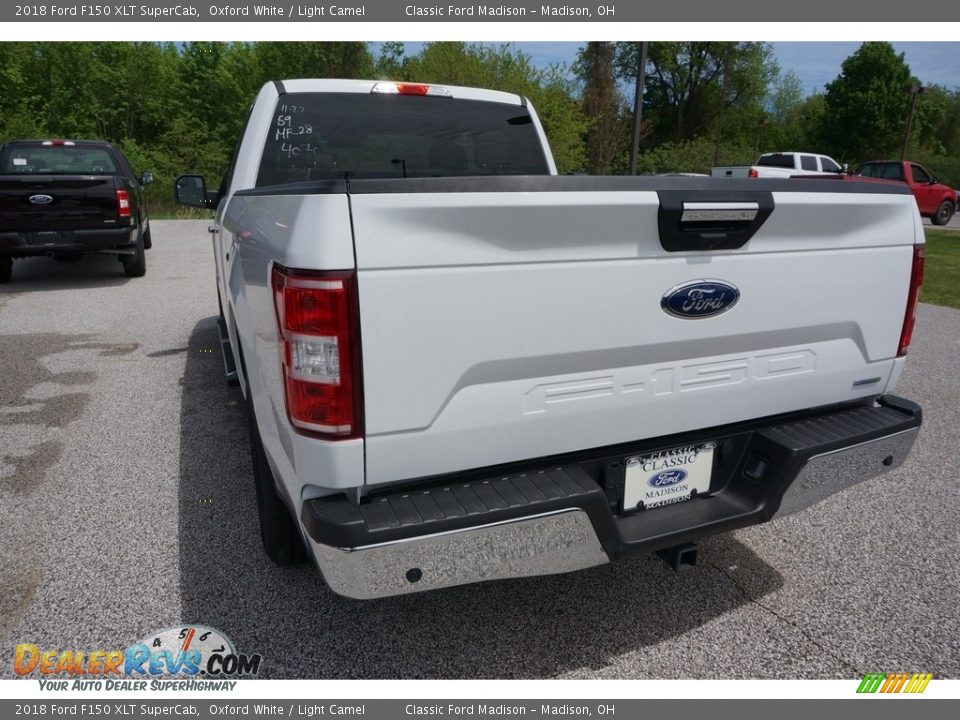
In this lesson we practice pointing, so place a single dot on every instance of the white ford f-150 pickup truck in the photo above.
(459, 366)
(782, 165)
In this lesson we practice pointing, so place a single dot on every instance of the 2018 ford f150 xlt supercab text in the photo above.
(459, 366)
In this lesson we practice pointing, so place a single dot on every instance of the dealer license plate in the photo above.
(668, 476)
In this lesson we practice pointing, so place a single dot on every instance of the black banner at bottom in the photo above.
(874, 708)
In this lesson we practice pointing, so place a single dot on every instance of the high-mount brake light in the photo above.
(58, 143)
(319, 350)
(123, 203)
(910, 318)
(405, 88)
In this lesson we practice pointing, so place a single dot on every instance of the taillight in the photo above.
(319, 350)
(123, 203)
(910, 318)
(752, 172)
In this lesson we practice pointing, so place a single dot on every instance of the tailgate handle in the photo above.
(730, 212)
(724, 220)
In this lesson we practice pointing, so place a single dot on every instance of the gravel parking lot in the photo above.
(127, 505)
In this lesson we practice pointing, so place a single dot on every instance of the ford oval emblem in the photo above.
(41, 199)
(700, 299)
(667, 478)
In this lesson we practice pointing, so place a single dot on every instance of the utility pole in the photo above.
(764, 121)
(914, 90)
(638, 107)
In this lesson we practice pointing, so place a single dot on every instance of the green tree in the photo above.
(948, 130)
(23, 104)
(64, 71)
(694, 88)
(288, 60)
(937, 138)
(389, 62)
(867, 105)
(789, 121)
(136, 83)
(608, 132)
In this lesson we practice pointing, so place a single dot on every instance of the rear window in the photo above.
(892, 171)
(781, 161)
(326, 136)
(39, 159)
(887, 171)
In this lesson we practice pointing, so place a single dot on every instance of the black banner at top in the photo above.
(589, 11)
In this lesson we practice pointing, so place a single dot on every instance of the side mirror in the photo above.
(934, 181)
(844, 169)
(192, 190)
(146, 178)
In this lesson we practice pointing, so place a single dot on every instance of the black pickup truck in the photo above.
(67, 198)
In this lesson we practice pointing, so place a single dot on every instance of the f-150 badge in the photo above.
(699, 299)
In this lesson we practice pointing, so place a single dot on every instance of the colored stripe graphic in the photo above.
(901, 679)
(921, 682)
(870, 683)
(913, 683)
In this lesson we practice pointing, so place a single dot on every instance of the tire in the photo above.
(135, 265)
(943, 214)
(6, 269)
(280, 536)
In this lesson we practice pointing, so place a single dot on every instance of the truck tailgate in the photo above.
(506, 320)
(72, 202)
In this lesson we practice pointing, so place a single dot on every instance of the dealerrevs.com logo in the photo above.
(191, 657)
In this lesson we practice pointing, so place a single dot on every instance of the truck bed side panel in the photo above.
(298, 231)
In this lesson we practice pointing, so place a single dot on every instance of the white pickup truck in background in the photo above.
(782, 165)
(459, 366)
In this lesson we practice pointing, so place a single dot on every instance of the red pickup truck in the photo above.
(935, 200)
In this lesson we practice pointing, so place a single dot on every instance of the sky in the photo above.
(815, 63)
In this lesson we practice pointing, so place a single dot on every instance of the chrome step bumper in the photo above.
(559, 542)
(563, 515)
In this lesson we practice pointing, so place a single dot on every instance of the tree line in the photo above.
(723, 103)
(177, 108)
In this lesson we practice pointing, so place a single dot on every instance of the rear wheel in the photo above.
(6, 269)
(280, 536)
(944, 213)
(135, 265)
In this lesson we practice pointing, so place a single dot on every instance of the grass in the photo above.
(158, 211)
(941, 271)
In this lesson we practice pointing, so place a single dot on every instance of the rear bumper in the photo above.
(562, 514)
(557, 542)
(26, 244)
